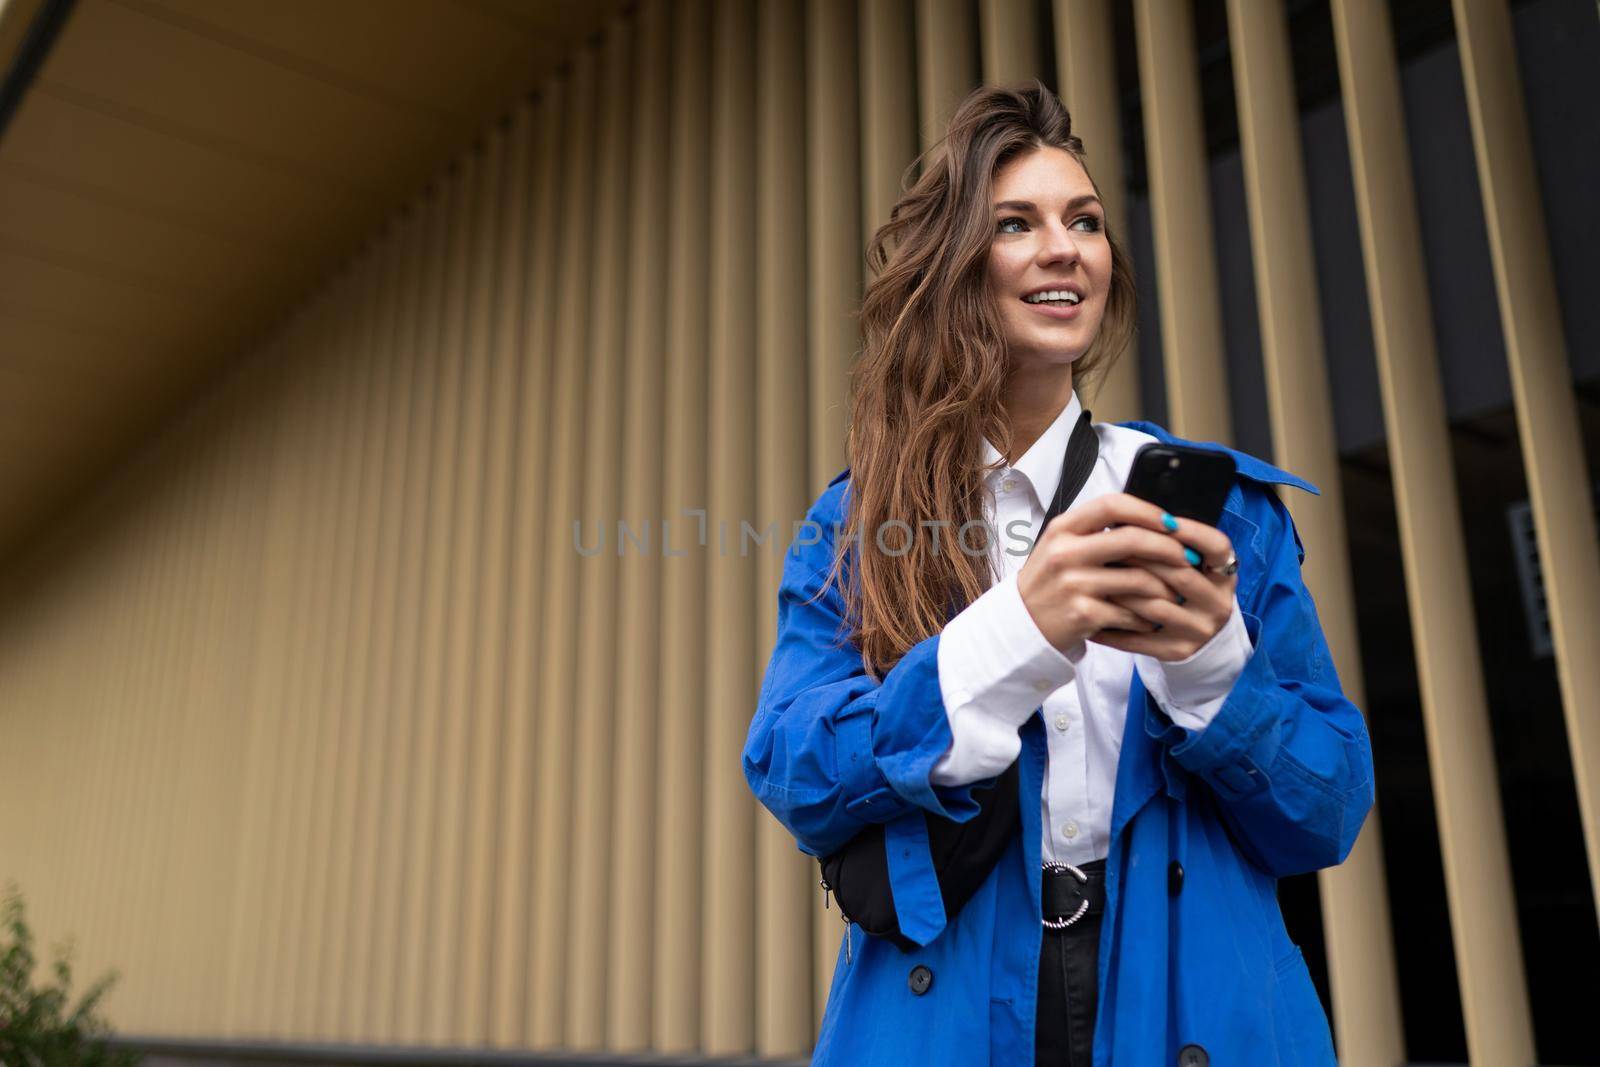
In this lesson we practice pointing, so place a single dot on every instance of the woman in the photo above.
(1179, 731)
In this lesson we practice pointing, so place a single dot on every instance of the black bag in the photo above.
(963, 853)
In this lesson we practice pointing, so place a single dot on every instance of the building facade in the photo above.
(394, 514)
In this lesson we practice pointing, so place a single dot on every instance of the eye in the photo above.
(1009, 218)
(1093, 221)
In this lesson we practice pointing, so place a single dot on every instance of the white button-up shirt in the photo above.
(996, 668)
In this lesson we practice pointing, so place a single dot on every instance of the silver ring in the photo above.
(1229, 568)
(1083, 879)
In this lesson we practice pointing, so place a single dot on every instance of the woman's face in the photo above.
(1049, 236)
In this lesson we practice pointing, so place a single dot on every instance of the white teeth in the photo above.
(1054, 295)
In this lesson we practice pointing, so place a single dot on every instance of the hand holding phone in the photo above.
(1191, 484)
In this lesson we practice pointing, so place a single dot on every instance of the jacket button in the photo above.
(921, 979)
(1193, 1056)
(1175, 881)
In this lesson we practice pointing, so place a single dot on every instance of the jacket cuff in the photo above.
(904, 719)
(1192, 691)
(1232, 753)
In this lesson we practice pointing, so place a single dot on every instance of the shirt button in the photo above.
(1069, 830)
(1043, 686)
(1062, 722)
(920, 979)
(1009, 484)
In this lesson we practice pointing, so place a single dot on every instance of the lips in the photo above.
(1055, 311)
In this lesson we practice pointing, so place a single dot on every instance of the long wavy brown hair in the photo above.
(928, 384)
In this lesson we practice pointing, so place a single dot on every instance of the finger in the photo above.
(1213, 545)
(1195, 584)
(1122, 543)
(1173, 620)
(1108, 582)
(1110, 510)
(1108, 614)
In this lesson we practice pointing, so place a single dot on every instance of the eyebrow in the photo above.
(1029, 205)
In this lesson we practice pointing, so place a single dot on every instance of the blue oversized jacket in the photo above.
(1279, 783)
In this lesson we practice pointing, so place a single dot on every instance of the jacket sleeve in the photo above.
(1287, 756)
(830, 750)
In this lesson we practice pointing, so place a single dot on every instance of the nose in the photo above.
(1056, 244)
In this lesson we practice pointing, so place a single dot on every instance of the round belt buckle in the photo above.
(1083, 879)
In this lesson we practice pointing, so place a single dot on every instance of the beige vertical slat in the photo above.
(1013, 41)
(286, 921)
(253, 433)
(888, 107)
(359, 760)
(1180, 210)
(105, 607)
(444, 643)
(947, 64)
(675, 964)
(240, 1018)
(834, 262)
(630, 947)
(488, 703)
(728, 936)
(351, 760)
(1355, 900)
(134, 774)
(596, 616)
(424, 923)
(262, 493)
(192, 942)
(785, 949)
(305, 402)
(214, 729)
(1086, 73)
(471, 337)
(558, 677)
(332, 714)
(371, 666)
(516, 956)
(1489, 966)
(137, 556)
(834, 269)
(161, 714)
(98, 605)
(169, 824)
(396, 971)
(1559, 481)
(833, 169)
(375, 892)
(305, 848)
(169, 712)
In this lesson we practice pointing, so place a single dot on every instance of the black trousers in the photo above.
(1068, 994)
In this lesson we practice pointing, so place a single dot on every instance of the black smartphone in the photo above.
(1191, 483)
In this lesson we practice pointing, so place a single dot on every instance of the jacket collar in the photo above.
(1248, 465)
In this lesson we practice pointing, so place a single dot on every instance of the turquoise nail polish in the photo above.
(1169, 522)
(1192, 556)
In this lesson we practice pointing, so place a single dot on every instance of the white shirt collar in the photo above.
(1041, 463)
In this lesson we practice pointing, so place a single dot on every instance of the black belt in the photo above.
(1069, 893)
